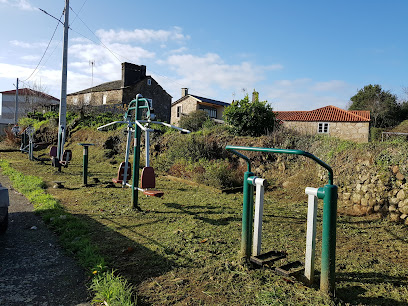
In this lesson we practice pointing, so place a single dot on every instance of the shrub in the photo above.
(250, 118)
(193, 121)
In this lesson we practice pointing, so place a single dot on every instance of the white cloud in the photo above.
(210, 71)
(27, 45)
(141, 36)
(20, 4)
(30, 58)
(306, 94)
(330, 86)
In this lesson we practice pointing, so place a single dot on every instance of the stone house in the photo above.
(29, 100)
(329, 120)
(121, 92)
(189, 103)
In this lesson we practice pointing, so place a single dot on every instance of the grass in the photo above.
(74, 236)
(183, 248)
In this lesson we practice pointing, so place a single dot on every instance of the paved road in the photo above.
(33, 268)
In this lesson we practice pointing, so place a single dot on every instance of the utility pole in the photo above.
(16, 105)
(63, 101)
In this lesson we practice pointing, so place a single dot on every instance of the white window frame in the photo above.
(104, 98)
(323, 127)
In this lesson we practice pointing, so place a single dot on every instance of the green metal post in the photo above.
(85, 162)
(247, 216)
(85, 166)
(136, 159)
(328, 265)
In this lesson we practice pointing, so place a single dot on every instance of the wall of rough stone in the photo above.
(95, 98)
(355, 131)
(363, 189)
(187, 106)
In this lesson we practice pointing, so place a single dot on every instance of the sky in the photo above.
(299, 55)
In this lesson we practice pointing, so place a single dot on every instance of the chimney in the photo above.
(131, 73)
(255, 95)
(184, 92)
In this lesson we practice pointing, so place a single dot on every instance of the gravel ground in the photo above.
(33, 269)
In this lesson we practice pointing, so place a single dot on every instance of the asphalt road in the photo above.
(33, 269)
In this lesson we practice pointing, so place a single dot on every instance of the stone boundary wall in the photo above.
(368, 191)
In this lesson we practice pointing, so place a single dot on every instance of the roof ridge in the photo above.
(325, 113)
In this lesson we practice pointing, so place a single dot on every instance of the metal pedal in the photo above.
(267, 258)
(290, 269)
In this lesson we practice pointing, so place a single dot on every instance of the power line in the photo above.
(116, 54)
(52, 37)
(95, 35)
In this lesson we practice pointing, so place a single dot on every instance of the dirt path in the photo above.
(33, 268)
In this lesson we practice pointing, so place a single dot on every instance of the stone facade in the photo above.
(190, 103)
(355, 131)
(134, 81)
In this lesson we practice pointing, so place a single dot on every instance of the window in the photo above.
(211, 111)
(104, 99)
(149, 82)
(150, 102)
(87, 98)
(178, 111)
(323, 127)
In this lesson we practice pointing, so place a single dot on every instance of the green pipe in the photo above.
(85, 166)
(247, 216)
(136, 159)
(286, 151)
(242, 156)
(328, 269)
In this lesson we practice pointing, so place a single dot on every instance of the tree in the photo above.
(193, 121)
(250, 118)
(383, 106)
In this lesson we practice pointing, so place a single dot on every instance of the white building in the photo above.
(28, 101)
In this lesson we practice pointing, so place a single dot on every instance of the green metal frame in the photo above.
(329, 195)
(137, 105)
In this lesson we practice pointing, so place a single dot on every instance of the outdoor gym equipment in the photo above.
(138, 106)
(66, 158)
(329, 195)
(85, 162)
(27, 142)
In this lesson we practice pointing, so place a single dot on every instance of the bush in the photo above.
(250, 118)
(193, 121)
(375, 134)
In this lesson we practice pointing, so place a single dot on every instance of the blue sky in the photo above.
(299, 55)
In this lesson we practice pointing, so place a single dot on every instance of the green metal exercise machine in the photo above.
(329, 195)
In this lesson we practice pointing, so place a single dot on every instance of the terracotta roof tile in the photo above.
(29, 92)
(283, 115)
(328, 113)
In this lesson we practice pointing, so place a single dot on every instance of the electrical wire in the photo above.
(116, 54)
(52, 37)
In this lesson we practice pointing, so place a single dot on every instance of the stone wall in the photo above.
(188, 105)
(355, 131)
(150, 89)
(364, 190)
(95, 98)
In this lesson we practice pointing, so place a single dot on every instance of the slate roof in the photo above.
(113, 85)
(328, 113)
(202, 99)
(29, 92)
